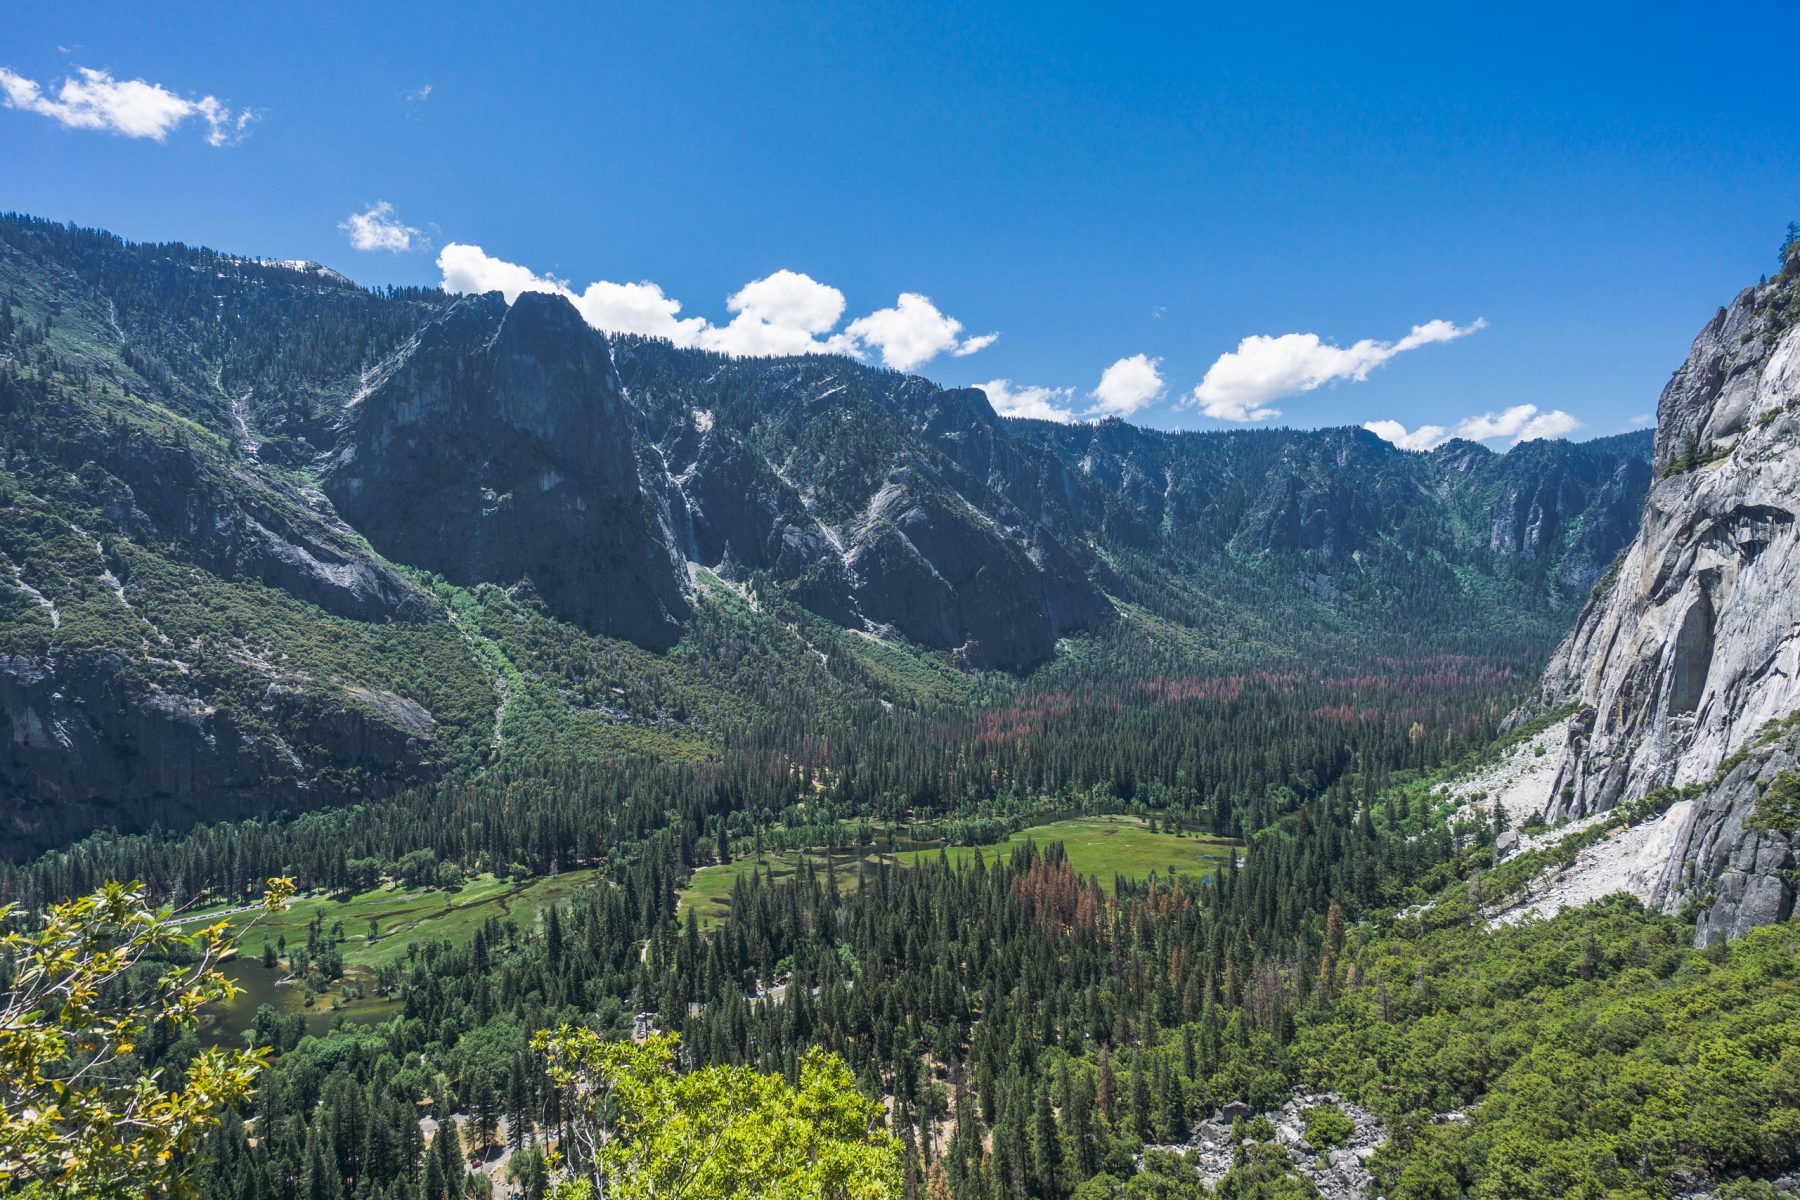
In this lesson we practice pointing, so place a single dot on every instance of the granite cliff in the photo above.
(1684, 667)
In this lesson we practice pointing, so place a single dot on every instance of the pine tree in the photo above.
(1108, 1096)
(1046, 1147)
(1141, 1122)
(518, 1106)
(321, 1180)
(484, 1109)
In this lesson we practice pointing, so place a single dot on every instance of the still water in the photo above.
(258, 986)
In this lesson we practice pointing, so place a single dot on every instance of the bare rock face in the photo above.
(1339, 1173)
(84, 744)
(1691, 645)
(888, 504)
(498, 448)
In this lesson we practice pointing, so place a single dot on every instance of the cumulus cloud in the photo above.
(786, 312)
(1040, 403)
(1520, 423)
(1553, 424)
(92, 99)
(782, 313)
(914, 332)
(637, 308)
(470, 269)
(615, 307)
(1243, 383)
(377, 228)
(1127, 386)
(1425, 437)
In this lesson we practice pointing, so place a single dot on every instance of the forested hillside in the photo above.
(1048, 811)
(274, 542)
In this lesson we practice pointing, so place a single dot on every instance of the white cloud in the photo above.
(1041, 403)
(914, 332)
(1643, 419)
(1553, 424)
(377, 228)
(1509, 423)
(419, 95)
(778, 314)
(470, 269)
(791, 300)
(782, 313)
(637, 308)
(615, 307)
(1242, 384)
(92, 99)
(1520, 423)
(1127, 386)
(1425, 437)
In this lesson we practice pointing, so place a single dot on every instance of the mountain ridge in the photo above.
(296, 486)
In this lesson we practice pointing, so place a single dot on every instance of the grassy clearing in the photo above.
(1104, 847)
(413, 914)
(402, 916)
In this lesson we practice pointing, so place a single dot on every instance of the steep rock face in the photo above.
(1332, 512)
(1710, 849)
(886, 502)
(84, 744)
(1692, 645)
(1348, 511)
(234, 523)
(497, 448)
(938, 571)
(1573, 510)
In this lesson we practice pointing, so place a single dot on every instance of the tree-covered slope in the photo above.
(274, 541)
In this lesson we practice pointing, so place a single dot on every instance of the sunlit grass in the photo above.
(1101, 847)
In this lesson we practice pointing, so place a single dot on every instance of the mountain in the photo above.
(1684, 667)
(274, 541)
(498, 446)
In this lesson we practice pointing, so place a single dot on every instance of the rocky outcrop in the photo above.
(1569, 513)
(885, 502)
(1338, 1172)
(86, 742)
(1342, 510)
(223, 517)
(1691, 645)
(1741, 876)
(498, 447)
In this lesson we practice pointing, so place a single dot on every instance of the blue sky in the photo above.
(1417, 216)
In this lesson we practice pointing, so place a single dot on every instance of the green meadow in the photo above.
(1102, 847)
(401, 915)
(409, 914)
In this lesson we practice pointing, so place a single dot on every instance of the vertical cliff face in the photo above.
(499, 448)
(1690, 647)
(886, 503)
